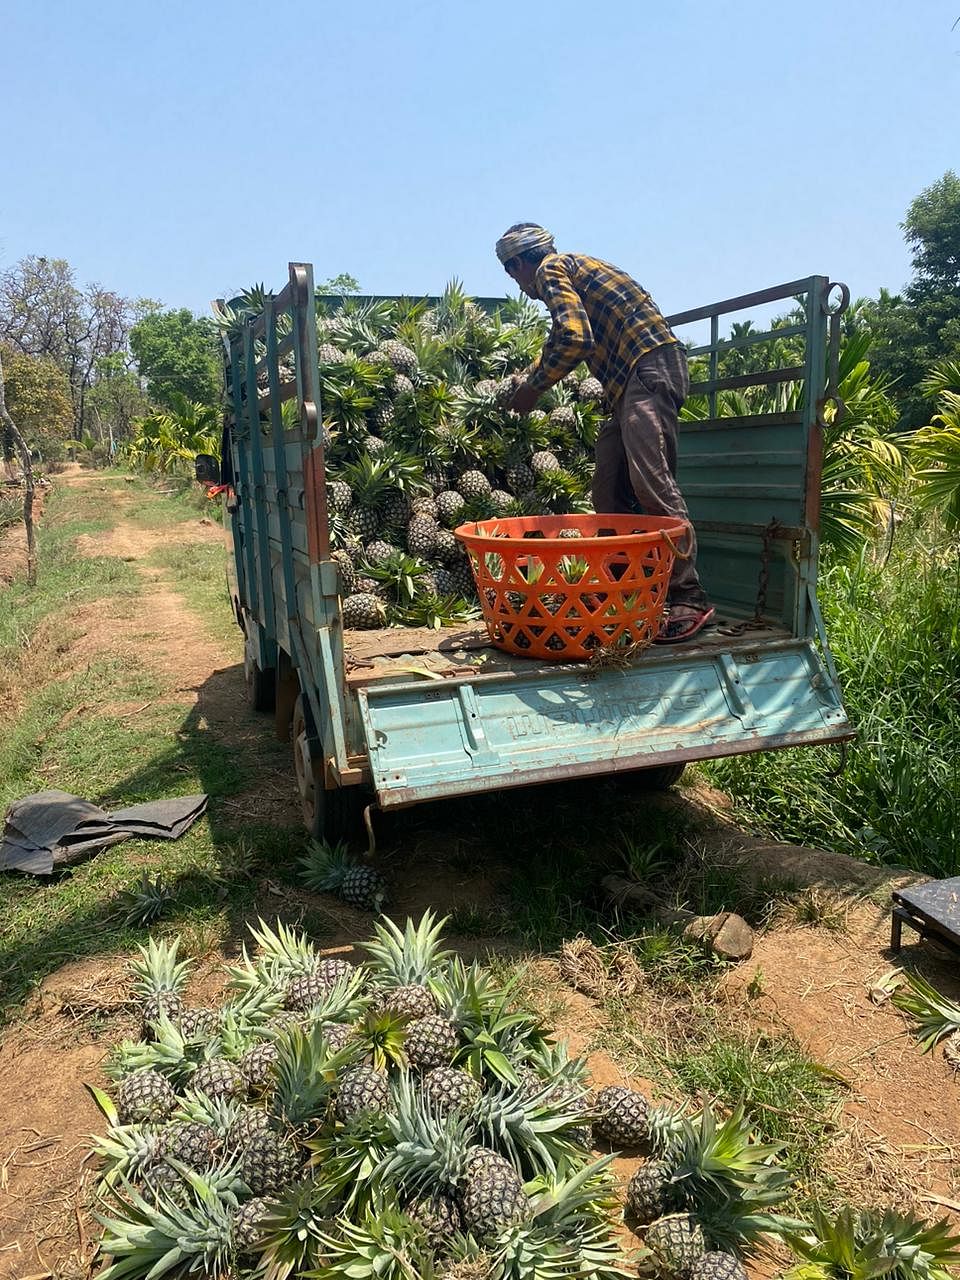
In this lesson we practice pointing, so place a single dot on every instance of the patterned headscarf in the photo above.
(520, 238)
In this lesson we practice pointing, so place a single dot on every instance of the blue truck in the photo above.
(402, 715)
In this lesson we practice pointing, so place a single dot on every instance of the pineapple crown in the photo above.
(281, 954)
(158, 968)
(861, 1244)
(305, 1074)
(385, 1245)
(934, 1016)
(721, 1164)
(140, 1235)
(533, 1128)
(429, 1152)
(409, 956)
(169, 1052)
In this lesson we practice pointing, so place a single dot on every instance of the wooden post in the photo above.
(28, 490)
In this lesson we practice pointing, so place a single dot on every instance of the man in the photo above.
(602, 316)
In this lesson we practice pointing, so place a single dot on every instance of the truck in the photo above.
(394, 717)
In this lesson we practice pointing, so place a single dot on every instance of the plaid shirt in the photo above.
(600, 315)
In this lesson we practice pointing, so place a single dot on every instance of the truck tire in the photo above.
(660, 777)
(261, 684)
(328, 814)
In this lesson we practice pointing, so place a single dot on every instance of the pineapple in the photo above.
(424, 505)
(431, 1042)
(348, 572)
(256, 1066)
(339, 496)
(362, 1091)
(544, 462)
(245, 1124)
(717, 1266)
(380, 553)
(621, 1116)
(158, 979)
(474, 485)
(219, 1078)
(145, 1097)
(451, 1089)
(675, 1242)
(363, 612)
(439, 1215)
(521, 478)
(327, 353)
(650, 1192)
(249, 1225)
(404, 962)
(563, 418)
(197, 1025)
(331, 869)
(402, 388)
(337, 1035)
(450, 504)
(491, 1195)
(197, 1145)
(268, 1161)
(590, 389)
(422, 535)
(403, 360)
(501, 502)
(446, 551)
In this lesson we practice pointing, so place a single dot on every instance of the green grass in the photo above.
(894, 630)
(107, 733)
(200, 573)
(66, 579)
(791, 1099)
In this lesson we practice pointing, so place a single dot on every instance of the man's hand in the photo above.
(524, 398)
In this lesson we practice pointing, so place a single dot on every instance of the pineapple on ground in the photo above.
(145, 1097)
(362, 1091)
(158, 981)
(450, 504)
(491, 1195)
(621, 1116)
(431, 1042)
(422, 534)
(474, 485)
(676, 1242)
(332, 869)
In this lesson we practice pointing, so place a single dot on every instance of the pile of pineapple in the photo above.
(419, 440)
(403, 1118)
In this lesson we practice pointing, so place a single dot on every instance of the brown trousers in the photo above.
(636, 456)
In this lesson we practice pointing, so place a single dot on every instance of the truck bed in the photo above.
(400, 653)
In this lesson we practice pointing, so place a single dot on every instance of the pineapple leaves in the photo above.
(934, 1016)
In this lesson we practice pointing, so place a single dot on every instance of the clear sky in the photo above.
(181, 150)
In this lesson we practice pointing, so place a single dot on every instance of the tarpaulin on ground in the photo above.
(51, 828)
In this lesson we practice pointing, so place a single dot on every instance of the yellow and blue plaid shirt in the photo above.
(600, 315)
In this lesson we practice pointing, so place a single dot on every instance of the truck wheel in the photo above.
(660, 777)
(261, 684)
(330, 815)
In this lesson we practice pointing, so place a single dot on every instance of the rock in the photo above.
(726, 935)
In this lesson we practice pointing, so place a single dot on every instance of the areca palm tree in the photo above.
(169, 441)
(936, 448)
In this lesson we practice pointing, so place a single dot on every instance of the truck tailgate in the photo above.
(448, 737)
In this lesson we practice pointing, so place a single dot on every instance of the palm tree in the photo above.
(936, 447)
(169, 441)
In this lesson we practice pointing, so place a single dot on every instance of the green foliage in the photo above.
(922, 326)
(863, 1244)
(178, 354)
(38, 399)
(894, 630)
(936, 448)
(169, 442)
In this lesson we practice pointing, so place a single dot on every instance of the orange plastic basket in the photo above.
(562, 587)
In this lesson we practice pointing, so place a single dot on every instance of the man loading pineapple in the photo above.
(604, 317)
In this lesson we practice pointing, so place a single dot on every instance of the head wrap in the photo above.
(522, 237)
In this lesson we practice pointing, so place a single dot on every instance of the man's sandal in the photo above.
(683, 623)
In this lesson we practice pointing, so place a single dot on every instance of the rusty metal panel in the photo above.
(429, 740)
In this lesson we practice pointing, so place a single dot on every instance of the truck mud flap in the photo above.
(480, 733)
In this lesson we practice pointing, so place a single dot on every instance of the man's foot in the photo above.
(683, 622)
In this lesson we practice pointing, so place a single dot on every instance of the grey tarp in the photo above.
(51, 828)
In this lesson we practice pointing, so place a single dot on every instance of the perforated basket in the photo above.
(562, 587)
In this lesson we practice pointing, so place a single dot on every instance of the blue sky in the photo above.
(180, 150)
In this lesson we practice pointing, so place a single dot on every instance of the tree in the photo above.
(342, 284)
(38, 395)
(917, 329)
(43, 312)
(178, 355)
(116, 398)
(11, 430)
